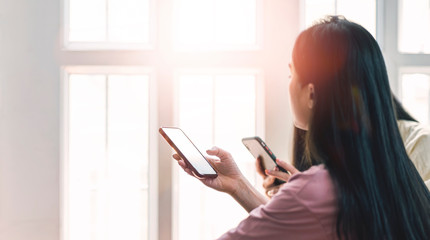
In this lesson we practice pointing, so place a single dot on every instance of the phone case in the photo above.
(259, 152)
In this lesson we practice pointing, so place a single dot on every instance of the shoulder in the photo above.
(309, 192)
(413, 132)
(312, 186)
(416, 138)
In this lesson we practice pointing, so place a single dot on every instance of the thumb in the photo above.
(290, 168)
(216, 151)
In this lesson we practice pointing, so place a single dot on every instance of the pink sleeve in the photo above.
(287, 215)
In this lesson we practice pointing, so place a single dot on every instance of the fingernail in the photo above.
(267, 171)
(277, 160)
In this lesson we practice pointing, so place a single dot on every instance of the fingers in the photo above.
(182, 164)
(221, 153)
(259, 167)
(278, 174)
(268, 182)
(290, 168)
(272, 191)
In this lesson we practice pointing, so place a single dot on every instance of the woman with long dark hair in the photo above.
(366, 187)
(415, 136)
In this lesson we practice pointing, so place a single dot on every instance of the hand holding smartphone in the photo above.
(183, 146)
(259, 149)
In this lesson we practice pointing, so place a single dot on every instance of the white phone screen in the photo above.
(191, 153)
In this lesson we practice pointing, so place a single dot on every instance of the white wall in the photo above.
(29, 120)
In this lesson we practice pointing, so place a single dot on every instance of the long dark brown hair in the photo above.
(303, 163)
(353, 131)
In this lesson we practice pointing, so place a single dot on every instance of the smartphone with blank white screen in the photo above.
(183, 146)
(259, 149)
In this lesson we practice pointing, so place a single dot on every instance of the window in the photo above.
(108, 24)
(405, 46)
(216, 109)
(415, 93)
(414, 25)
(122, 67)
(217, 24)
(411, 52)
(106, 188)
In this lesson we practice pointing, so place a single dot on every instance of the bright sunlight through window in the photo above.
(416, 96)
(106, 172)
(215, 24)
(414, 25)
(117, 22)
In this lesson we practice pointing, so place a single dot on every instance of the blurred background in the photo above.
(85, 85)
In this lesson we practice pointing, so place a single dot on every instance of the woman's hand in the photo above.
(228, 173)
(269, 180)
(260, 167)
(270, 187)
(280, 174)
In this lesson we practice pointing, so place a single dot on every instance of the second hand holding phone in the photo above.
(259, 149)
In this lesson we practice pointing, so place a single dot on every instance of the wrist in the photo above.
(247, 196)
(242, 186)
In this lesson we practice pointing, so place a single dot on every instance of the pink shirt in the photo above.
(304, 208)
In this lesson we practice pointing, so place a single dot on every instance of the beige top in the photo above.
(416, 138)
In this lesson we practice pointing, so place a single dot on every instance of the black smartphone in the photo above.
(186, 149)
(259, 149)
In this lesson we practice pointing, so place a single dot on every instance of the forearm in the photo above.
(247, 196)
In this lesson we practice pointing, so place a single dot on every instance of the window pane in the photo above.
(196, 119)
(127, 156)
(214, 110)
(128, 21)
(235, 98)
(362, 12)
(87, 20)
(414, 25)
(109, 21)
(107, 171)
(195, 22)
(416, 96)
(235, 22)
(215, 24)
(87, 149)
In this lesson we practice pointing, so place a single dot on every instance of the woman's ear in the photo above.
(311, 94)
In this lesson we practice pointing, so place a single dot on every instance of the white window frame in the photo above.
(387, 35)
(396, 61)
(64, 143)
(412, 70)
(106, 45)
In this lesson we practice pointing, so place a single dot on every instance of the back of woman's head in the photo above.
(353, 130)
